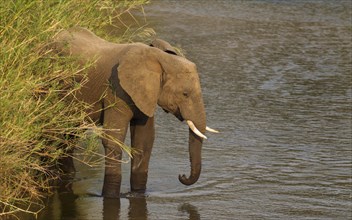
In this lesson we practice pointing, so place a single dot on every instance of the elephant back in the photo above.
(81, 42)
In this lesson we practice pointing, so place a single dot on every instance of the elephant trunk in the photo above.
(195, 153)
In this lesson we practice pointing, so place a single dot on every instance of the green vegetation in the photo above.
(37, 111)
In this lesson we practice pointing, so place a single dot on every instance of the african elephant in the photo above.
(124, 86)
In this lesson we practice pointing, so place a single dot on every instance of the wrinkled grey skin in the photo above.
(124, 87)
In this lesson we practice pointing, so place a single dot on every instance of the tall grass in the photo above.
(37, 111)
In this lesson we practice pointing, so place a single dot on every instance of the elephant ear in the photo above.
(163, 45)
(139, 73)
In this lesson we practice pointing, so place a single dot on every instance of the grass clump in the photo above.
(36, 114)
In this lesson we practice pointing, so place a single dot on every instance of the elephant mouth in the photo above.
(177, 114)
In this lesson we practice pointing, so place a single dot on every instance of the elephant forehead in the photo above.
(184, 84)
(188, 74)
(188, 64)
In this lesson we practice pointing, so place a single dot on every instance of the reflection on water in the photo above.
(191, 210)
(276, 78)
(66, 205)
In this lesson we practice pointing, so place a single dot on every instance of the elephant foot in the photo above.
(65, 183)
(136, 194)
(138, 191)
(111, 187)
(111, 193)
(66, 176)
(138, 182)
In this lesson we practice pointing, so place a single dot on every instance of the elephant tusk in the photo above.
(212, 130)
(195, 130)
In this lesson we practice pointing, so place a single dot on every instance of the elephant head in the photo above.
(152, 77)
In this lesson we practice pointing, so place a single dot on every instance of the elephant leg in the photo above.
(66, 164)
(116, 124)
(142, 139)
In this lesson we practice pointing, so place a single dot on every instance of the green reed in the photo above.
(38, 111)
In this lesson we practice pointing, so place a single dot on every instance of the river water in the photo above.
(276, 79)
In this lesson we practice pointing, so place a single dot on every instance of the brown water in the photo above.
(276, 79)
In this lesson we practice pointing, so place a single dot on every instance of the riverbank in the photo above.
(35, 118)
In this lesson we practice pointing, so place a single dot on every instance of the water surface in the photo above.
(276, 79)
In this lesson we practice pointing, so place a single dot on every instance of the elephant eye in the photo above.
(185, 94)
